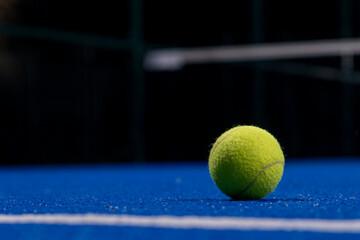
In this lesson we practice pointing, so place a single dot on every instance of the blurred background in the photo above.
(73, 88)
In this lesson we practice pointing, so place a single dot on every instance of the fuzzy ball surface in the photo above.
(246, 163)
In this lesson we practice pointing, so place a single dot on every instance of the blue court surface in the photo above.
(316, 199)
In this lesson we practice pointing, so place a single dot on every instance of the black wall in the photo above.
(71, 89)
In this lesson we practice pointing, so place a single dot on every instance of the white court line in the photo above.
(189, 222)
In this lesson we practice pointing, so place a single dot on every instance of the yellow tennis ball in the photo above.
(246, 162)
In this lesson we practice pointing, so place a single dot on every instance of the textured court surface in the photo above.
(310, 190)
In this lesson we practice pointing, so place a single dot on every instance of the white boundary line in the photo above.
(189, 222)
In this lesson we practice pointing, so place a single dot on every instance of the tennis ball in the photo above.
(246, 162)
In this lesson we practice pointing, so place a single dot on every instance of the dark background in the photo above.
(73, 90)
